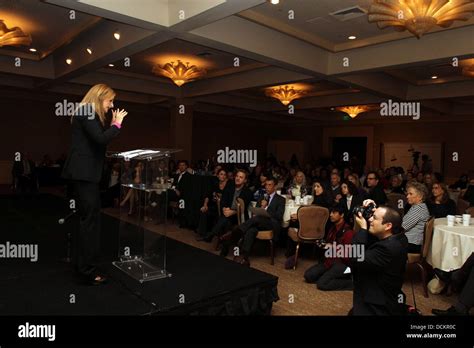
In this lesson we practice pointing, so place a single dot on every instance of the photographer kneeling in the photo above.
(378, 278)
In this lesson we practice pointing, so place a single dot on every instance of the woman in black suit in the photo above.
(350, 199)
(84, 166)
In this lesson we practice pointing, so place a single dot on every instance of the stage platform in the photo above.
(202, 283)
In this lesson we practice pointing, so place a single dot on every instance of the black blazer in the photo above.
(378, 279)
(89, 140)
(228, 196)
(276, 209)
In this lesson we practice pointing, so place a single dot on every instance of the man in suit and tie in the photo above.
(378, 276)
(274, 205)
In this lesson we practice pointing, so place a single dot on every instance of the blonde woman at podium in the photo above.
(90, 135)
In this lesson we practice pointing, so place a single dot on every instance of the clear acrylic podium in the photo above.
(144, 185)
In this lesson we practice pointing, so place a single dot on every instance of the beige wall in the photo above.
(28, 125)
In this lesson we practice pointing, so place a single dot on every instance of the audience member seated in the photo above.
(415, 219)
(376, 192)
(298, 187)
(320, 198)
(428, 181)
(132, 195)
(461, 184)
(260, 189)
(396, 185)
(354, 178)
(331, 274)
(228, 218)
(468, 194)
(440, 205)
(335, 189)
(208, 212)
(274, 205)
(254, 178)
(350, 199)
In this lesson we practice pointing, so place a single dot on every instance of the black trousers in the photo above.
(414, 248)
(207, 219)
(222, 225)
(332, 278)
(250, 230)
(86, 242)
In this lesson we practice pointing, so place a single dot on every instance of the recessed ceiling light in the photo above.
(89, 50)
(332, 109)
(111, 65)
(352, 37)
(117, 35)
(275, 2)
(69, 61)
(434, 77)
(32, 49)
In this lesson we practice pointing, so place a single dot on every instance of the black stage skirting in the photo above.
(211, 285)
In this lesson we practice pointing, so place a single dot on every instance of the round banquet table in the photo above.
(451, 246)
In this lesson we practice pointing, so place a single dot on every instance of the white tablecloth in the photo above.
(451, 246)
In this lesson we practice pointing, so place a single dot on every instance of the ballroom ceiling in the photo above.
(312, 49)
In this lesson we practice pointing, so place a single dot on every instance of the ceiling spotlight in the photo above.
(111, 65)
(352, 37)
(89, 50)
(275, 2)
(32, 49)
(434, 77)
(117, 35)
(69, 61)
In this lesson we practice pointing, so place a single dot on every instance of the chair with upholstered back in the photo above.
(312, 221)
(420, 259)
(397, 201)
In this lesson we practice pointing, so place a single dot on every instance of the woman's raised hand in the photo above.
(118, 115)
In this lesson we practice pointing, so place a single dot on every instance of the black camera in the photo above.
(366, 212)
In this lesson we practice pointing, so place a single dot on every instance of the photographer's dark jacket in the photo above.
(378, 278)
(85, 160)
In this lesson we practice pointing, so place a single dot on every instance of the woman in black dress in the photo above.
(439, 204)
(84, 166)
(209, 212)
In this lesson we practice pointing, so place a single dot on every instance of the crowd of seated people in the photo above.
(340, 189)
(329, 185)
